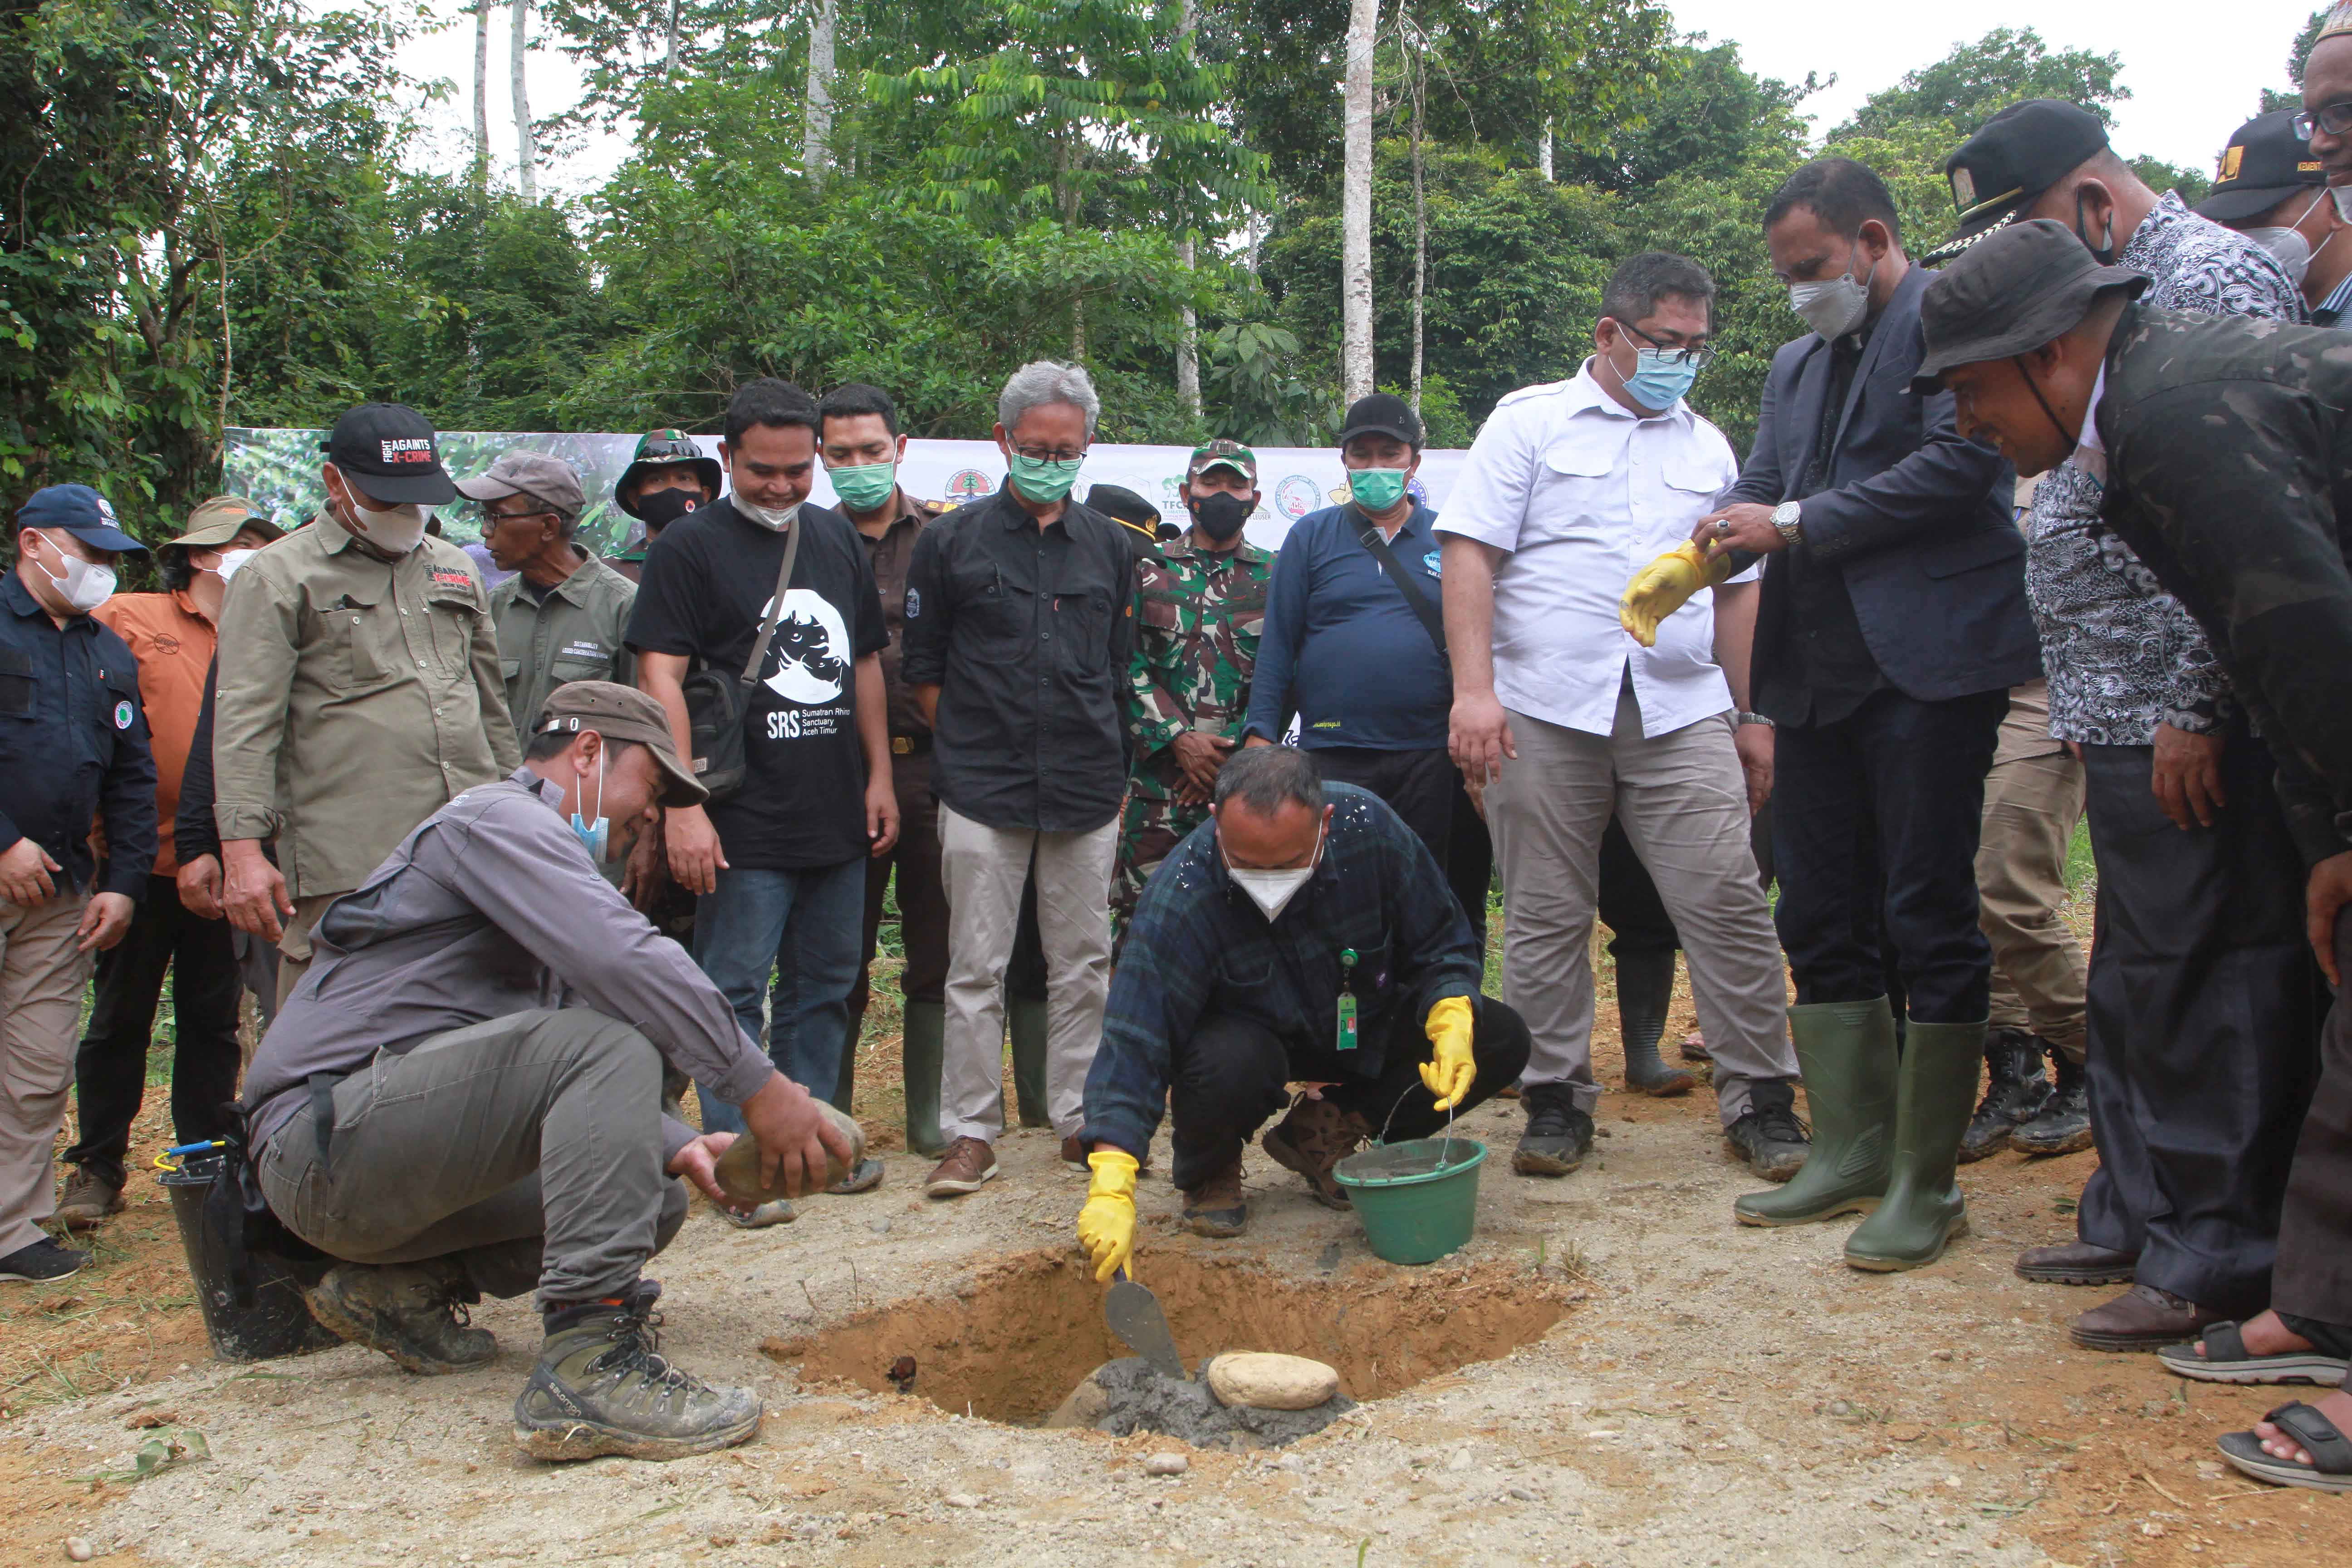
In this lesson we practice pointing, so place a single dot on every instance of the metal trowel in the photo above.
(1134, 1315)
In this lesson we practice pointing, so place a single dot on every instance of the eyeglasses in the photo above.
(2336, 119)
(1672, 354)
(1050, 455)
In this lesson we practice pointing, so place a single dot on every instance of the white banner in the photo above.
(278, 471)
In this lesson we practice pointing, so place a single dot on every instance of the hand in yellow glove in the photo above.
(1448, 1075)
(1661, 587)
(1107, 1225)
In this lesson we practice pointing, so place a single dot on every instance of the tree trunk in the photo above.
(1187, 342)
(481, 96)
(526, 153)
(1420, 220)
(1356, 206)
(1543, 151)
(816, 132)
(669, 51)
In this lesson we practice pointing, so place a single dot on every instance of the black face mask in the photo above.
(662, 507)
(2047, 412)
(1220, 513)
(2104, 251)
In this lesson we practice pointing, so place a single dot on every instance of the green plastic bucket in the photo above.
(1419, 1199)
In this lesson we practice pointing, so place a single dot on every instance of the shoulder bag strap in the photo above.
(1415, 600)
(775, 606)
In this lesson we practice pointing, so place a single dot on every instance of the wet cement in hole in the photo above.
(1011, 1342)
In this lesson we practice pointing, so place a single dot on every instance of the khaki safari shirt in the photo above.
(357, 697)
(574, 634)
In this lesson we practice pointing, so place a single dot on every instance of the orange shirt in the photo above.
(173, 646)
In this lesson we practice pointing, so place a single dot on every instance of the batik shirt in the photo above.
(2122, 655)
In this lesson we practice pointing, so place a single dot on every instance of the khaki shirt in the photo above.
(574, 634)
(357, 697)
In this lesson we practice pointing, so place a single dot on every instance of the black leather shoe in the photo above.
(1557, 1137)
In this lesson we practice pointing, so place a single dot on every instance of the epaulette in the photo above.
(937, 508)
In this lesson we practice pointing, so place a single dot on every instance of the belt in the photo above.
(910, 745)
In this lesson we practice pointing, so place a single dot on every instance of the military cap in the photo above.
(2026, 286)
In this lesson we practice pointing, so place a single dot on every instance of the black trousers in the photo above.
(1875, 826)
(1232, 1075)
(2313, 1281)
(110, 1068)
(2205, 1009)
(1417, 785)
(1470, 861)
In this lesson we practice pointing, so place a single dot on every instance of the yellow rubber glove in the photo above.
(1449, 1074)
(1107, 1225)
(1661, 587)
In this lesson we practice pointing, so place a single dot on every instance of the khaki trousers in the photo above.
(2033, 800)
(41, 982)
(1683, 802)
(984, 868)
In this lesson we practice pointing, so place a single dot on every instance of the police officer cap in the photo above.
(80, 511)
(2264, 163)
(2013, 158)
(1119, 502)
(2027, 284)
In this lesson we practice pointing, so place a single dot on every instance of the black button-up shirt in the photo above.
(73, 745)
(1028, 633)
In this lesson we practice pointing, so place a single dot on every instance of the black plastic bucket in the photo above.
(277, 1323)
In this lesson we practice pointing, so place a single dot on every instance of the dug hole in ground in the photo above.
(1612, 1372)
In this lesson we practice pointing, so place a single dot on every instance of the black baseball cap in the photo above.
(2264, 163)
(1382, 413)
(390, 452)
(2027, 284)
(2013, 158)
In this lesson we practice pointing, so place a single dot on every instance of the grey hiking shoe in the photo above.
(599, 1388)
(412, 1313)
(1767, 1135)
(1558, 1135)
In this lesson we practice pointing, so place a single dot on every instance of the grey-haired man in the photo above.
(1020, 623)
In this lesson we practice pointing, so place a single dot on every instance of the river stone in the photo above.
(1262, 1380)
(1125, 1397)
(738, 1168)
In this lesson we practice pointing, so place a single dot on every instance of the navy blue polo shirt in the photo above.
(73, 745)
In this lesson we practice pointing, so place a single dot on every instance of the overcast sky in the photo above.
(2196, 71)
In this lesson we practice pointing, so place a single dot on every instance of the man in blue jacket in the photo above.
(1892, 625)
(1357, 653)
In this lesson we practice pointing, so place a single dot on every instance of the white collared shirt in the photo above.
(1584, 494)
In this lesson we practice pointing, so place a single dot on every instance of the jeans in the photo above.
(803, 928)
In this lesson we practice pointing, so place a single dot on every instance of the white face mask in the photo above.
(2287, 245)
(775, 519)
(1837, 306)
(2342, 197)
(230, 561)
(1272, 891)
(395, 531)
(86, 584)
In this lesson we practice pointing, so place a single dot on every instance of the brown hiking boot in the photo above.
(1216, 1207)
(1314, 1138)
(412, 1313)
(969, 1162)
(89, 1199)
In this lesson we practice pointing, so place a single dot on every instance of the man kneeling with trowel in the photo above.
(1303, 935)
(463, 1097)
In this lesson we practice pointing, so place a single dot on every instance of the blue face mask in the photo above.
(1657, 384)
(594, 836)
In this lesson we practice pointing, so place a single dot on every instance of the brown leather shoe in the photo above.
(1315, 1137)
(88, 1200)
(2142, 1319)
(2075, 1263)
(969, 1162)
(1216, 1207)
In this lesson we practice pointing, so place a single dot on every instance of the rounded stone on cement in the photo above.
(1165, 1464)
(738, 1172)
(1264, 1380)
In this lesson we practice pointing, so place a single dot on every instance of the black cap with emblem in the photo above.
(2013, 158)
(389, 452)
(2264, 163)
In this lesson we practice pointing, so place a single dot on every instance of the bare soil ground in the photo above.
(1613, 1373)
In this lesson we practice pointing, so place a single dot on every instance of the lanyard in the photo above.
(1346, 1030)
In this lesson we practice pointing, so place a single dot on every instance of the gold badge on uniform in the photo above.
(2230, 159)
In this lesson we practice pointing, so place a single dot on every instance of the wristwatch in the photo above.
(1785, 519)
(1738, 718)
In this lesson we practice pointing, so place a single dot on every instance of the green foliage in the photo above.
(1969, 86)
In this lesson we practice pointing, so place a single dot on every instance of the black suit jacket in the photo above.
(1920, 523)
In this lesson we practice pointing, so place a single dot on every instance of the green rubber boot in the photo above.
(1923, 1209)
(1846, 1050)
(1028, 1025)
(922, 1048)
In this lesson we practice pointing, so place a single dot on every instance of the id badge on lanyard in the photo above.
(1345, 1039)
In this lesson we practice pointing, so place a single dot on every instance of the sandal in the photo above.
(2227, 1359)
(2331, 1452)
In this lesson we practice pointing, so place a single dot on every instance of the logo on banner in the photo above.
(810, 649)
(1297, 496)
(970, 484)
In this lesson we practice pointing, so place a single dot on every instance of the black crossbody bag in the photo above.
(716, 701)
(1422, 610)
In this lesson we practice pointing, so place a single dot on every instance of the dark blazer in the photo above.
(1920, 522)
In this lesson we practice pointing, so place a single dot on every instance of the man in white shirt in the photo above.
(1565, 720)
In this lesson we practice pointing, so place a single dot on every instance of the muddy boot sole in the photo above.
(1219, 1225)
(1319, 1184)
(563, 1442)
(1665, 1085)
(1904, 1265)
(2072, 1143)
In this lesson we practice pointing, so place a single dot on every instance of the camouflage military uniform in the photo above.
(1198, 616)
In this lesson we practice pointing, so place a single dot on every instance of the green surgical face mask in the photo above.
(1041, 478)
(1376, 490)
(863, 485)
